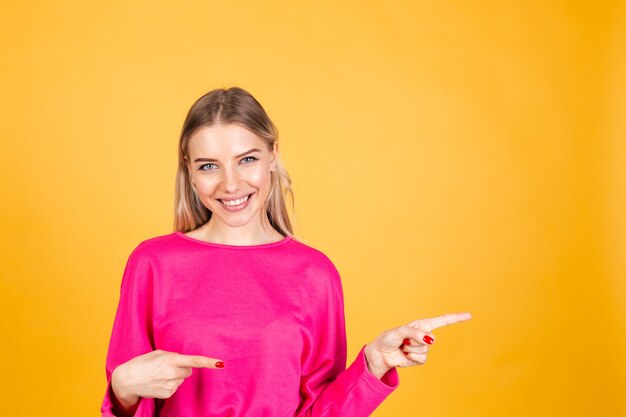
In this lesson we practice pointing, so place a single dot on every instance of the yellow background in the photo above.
(447, 156)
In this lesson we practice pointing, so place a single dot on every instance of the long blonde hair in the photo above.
(229, 106)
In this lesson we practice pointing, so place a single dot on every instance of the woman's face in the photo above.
(229, 162)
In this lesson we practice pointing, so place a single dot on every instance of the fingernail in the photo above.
(219, 364)
(405, 353)
(428, 339)
(406, 341)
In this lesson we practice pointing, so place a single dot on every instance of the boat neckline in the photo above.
(223, 245)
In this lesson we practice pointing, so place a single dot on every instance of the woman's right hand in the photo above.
(156, 374)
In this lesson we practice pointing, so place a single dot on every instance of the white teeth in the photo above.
(235, 202)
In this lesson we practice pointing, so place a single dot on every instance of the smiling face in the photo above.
(231, 169)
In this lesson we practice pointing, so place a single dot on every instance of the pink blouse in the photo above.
(272, 312)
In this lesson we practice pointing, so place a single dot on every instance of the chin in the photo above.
(237, 223)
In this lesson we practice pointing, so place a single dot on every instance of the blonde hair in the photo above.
(229, 106)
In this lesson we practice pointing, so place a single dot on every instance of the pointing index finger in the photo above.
(195, 361)
(432, 323)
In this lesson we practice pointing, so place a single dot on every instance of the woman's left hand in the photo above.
(406, 345)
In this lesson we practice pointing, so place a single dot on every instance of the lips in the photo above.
(236, 198)
(239, 205)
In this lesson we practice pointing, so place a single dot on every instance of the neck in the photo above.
(249, 234)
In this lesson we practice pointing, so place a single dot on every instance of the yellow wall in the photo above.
(447, 156)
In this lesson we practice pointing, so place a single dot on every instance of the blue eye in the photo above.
(252, 158)
(202, 166)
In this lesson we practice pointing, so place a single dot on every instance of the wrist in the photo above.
(122, 393)
(375, 362)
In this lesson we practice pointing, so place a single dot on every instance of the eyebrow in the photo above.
(215, 160)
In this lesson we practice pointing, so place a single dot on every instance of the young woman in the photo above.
(231, 315)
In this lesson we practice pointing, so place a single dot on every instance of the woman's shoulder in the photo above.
(318, 263)
(154, 245)
(314, 253)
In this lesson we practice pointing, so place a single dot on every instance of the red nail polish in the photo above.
(406, 341)
(428, 339)
(219, 364)
(405, 353)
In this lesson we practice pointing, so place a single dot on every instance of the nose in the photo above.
(230, 180)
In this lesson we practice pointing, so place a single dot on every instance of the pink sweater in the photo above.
(273, 313)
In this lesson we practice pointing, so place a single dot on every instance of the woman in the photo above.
(231, 315)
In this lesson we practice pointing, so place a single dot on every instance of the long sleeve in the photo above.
(132, 333)
(327, 388)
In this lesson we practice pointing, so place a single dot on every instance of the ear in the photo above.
(191, 175)
(274, 156)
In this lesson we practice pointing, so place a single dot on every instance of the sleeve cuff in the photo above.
(386, 384)
(146, 406)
